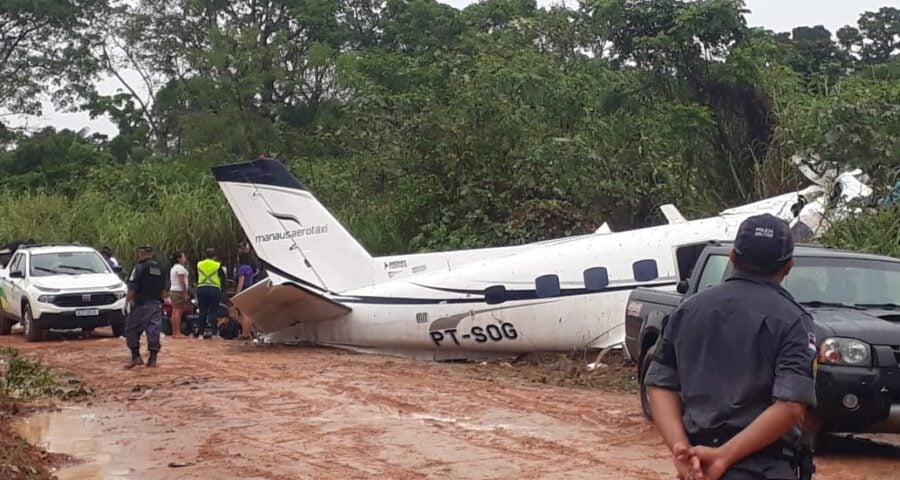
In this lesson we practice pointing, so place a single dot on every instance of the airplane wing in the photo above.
(275, 307)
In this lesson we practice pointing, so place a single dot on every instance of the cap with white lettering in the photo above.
(764, 240)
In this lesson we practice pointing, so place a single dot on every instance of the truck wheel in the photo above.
(118, 329)
(32, 333)
(5, 324)
(645, 365)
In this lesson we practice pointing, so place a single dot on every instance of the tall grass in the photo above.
(183, 216)
(873, 233)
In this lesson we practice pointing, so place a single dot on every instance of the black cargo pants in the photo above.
(146, 318)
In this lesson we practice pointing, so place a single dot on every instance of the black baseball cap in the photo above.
(764, 240)
(145, 248)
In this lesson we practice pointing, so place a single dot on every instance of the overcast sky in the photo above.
(778, 15)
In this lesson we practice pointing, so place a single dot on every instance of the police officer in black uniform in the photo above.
(733, 373)
(145, 297)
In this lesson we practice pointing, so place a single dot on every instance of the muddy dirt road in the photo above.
(229, 410)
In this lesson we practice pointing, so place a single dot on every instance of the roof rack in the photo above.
(37, 245)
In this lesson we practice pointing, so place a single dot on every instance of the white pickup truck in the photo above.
(59, 287)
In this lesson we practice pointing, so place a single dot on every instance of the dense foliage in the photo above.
(427, 127)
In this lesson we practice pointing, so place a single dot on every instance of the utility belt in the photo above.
(799, 456)
(138, 300)
(780, 450)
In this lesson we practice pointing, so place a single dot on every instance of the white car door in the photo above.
(4, 299)
(14, 284)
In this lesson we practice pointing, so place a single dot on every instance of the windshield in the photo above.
(68, 263)
(844, 281)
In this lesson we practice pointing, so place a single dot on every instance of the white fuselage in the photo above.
(559, 295)
(445, 314)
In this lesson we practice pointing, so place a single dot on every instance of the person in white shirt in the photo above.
(179, 291)
(111, 260)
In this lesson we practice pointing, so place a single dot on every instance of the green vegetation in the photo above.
(427, 127)
(22, 378)
(872, 233)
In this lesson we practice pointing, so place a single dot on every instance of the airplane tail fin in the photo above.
(290, 230)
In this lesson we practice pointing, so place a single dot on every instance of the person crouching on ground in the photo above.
(243, 280)
(209, 292)
(143, 305)
(179, 291)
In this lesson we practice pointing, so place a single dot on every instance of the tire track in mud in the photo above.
(286, 399)
(499, 440)
(273, 412)
(485, 395)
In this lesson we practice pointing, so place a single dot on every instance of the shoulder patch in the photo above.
(812, 342)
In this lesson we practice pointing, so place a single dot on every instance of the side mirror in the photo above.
(117, 269)
(17, 274)
(683, 287)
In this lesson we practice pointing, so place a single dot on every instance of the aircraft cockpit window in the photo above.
(547, 286)
(495, 294)
(645, 270)
(596, 279)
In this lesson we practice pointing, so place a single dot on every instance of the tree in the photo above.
(45, 44)
(881, 34)
(50, 159)
(246, 68)
(701, 55)
(814, 52)
(875, 39)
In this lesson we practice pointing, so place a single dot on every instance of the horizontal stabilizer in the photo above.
(672, 214)
(604, 229)
(275, 307)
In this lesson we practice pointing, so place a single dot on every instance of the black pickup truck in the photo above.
(854, 300)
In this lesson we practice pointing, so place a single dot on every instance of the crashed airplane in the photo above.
(561, 295)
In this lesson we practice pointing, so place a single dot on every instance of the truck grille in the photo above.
(85, 299)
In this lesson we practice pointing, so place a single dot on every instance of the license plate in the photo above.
(87, 312)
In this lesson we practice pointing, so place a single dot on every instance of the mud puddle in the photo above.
(76, 432)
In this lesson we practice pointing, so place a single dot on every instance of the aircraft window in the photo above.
(547, 286)
(596, 278)
(645, 270)
(495, 294)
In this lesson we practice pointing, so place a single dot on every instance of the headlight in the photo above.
(845, 351)
(120, 295)
(47, 298)
(45, 289)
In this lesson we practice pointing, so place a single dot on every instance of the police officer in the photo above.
(733, 374)
(209, 292)
(145, 297)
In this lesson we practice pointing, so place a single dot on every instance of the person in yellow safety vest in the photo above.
(210, 275)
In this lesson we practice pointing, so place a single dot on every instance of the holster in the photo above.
(805, 467)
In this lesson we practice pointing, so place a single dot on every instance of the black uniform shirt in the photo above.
(147, 281)
(732, 350)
